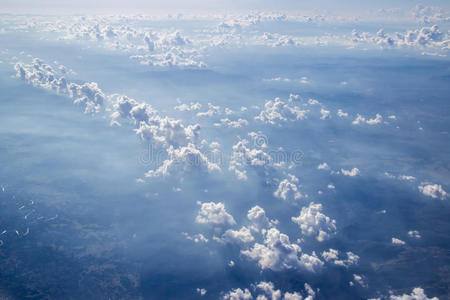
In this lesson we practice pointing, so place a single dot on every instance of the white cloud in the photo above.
(353, 172)
(341, 114)
(432, 190)
(288, 190)
(184, 159)
(323, 166)
(325, 114)
(417, 294)
(360, 119)
(278, 253)
(313, 222)
(238, 294)
(414, 234)
(332, 256)
(360, 280)
(243, 158)
(242, 235)
(201, 291)
(276, 111)
(214, 213)
(257, 217)
(188, 107)
(197, 238)
(398, 242)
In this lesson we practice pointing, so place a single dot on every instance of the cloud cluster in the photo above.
(277, 110)
(332, 256)
(278, 253)
(266, 290)
(432, 190)
(416, 294)
(214, 213)
(313, 222)
(288, 189)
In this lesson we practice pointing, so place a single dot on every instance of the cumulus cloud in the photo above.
(214, 213)
(414, 234)
(323, 166)
(184, 159)
(332, 256)
(241, 236)
(398, 242)
(417, 294)
(341, 114)
(265, 290)
(288, 190)
(313, 222)
(432, 190)
(360, 119)
(238, 294)
(243, 158)
(276, 111)
(353, 172)
(278, 253)
(257, 217)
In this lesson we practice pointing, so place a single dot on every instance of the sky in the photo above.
(147, 7)
(287, 155)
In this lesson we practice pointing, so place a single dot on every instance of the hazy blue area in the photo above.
(95, 232)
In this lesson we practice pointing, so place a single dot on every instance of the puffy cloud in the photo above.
(407, 177)
(201, 291)
(419, 38)
(257, 217)
(243, 158)
(212, 110)
(278, 253)
(184, 159)
(268, 288)
(279, 111)
(188, 107)
(332, 256)
(288, 190)
(214, 213)
(417, 294)
(323, 166)
(325, 114)
(353, 172)
(233, 124)
(360, 119)
(432, 190)
(242, 235)
(238, 294)
(197, 238)
(341, 114)
(313, 222)
(414, 234)
(360, 280)
(398, 242)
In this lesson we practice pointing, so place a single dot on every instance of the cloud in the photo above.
(214, 213)
(353, 172)
(243, 158)
(276, 111)
(257, 217)
(241, 236)
(414, 234)
(288, 190)
(417, 294)
(188, 107)
(278, 253)
(398, 242)
(341, 114)
(322, 166)
(238, 294)
(184, 159)
(313, 222)
(432, 190)
(202, 291)
(360, 119)
(332, 256)
(325, 114)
